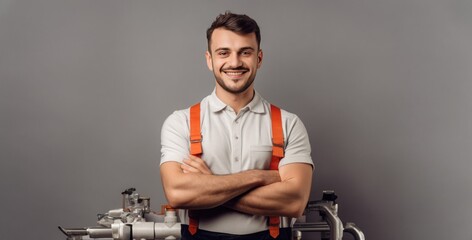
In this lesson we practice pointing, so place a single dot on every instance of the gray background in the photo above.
(384, 88)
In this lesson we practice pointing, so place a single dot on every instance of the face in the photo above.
(234, 60)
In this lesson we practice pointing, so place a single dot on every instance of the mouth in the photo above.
(235, 73)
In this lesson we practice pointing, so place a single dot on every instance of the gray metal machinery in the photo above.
(136, 221)
(330, 226)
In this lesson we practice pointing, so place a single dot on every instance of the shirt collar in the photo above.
(256, 105)
(216, 104)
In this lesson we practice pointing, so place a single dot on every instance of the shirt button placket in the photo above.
(237, 146)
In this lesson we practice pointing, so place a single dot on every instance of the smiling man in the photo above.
(236, 166)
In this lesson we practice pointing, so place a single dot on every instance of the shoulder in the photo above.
(180, 118)
(291, 123)
(288, 118)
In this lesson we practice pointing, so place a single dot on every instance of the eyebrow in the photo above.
(240, 50)
(246, 48)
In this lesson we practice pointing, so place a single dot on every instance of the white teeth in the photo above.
(234, 73)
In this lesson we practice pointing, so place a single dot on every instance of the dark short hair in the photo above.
(238, 23)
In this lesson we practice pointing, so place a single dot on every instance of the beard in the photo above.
(221, 82)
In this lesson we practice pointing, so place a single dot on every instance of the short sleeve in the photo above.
(297, 148)
(174, 138)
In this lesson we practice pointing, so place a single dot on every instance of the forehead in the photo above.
(223, 38)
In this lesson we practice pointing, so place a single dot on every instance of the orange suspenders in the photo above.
(196, 150)
(195, 132)
(277, 154)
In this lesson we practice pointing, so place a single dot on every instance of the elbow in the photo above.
(175, 204)
(299, 212)
(295, 210)
(176, 200)
(297, 207)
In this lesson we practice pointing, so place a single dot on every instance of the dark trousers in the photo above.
(285, 234)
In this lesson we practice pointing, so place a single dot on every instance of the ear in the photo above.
(209, 60)
(260, 55)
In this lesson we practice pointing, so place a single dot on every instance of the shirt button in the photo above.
(236, 159)
(236, 137)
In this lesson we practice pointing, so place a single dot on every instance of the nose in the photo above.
(234, 61)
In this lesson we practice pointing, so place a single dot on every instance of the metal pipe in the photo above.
(93, 232)
(335, 224)
(354, 231)
(70, 232)
(349, 227)
(312, 227)
(99, 232)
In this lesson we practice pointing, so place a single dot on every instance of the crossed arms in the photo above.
(259, 192)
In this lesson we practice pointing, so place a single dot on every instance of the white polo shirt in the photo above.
(231, 144)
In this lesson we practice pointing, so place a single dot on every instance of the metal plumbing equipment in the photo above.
(135, 220)
(330, 226)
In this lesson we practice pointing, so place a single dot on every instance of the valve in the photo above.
(128, 191)
(329, 196)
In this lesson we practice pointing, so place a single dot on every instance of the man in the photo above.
(227, 190)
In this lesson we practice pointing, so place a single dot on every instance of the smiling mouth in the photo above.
(235, 73)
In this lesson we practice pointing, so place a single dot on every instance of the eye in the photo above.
(246, 53)
(223, 53)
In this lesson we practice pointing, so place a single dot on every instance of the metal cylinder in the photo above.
(296, 235)
(312, 227)
(70, 232)
(162, 230)
(99, 232)
(143, 230)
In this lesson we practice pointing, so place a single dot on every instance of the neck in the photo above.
(235, 100)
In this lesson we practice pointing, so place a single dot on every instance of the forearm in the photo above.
(201, 191)
(285, 198)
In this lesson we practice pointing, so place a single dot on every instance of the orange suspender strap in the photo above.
(195, 132)
(196, 150)
(277, 137)
(192, 224)
(277, 154)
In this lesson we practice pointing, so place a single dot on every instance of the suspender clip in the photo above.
(196, 139)
(281, 145)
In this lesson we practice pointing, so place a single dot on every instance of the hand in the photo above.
(195, 165)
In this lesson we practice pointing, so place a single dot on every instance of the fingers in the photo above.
(188, 169)
(195, 165)
(192, 167)
(199, 164)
